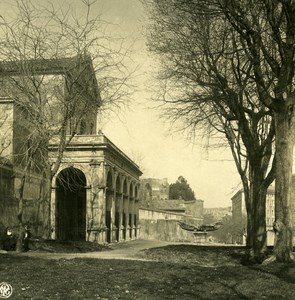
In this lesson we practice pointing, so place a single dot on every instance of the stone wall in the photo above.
(35, 213)
(8, 205)
(159, 225)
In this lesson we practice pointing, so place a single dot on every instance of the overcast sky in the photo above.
(142, 135)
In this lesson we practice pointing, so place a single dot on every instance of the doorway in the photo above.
(71, 205)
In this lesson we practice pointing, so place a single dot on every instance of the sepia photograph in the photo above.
(147, 149)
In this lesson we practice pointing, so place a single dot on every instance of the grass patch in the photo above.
(59, 246)
(176, 272)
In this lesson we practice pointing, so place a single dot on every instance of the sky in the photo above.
(141, 133)
(148, 139)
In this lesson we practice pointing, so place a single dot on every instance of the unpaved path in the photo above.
(123, 250)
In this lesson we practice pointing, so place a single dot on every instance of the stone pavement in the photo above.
(123, 250)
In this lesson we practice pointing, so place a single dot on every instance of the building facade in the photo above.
(153, 190)
(14, 131)
(239, 212)
(94, 195)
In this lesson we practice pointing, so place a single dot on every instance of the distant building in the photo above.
(152, 190)
(159, 216)
(239, 211)
(154, 194)
(218, 213)
(238, 206)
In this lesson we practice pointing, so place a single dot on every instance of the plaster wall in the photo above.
(164, 226)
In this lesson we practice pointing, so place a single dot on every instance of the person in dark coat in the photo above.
(9, 240)
(26, 239)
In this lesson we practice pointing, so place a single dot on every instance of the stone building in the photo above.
(159, 216)
(162, 221)
(14, 129)
(94, 195)
(152, 190)
(239, 211)
(154, 194)
(217, 213)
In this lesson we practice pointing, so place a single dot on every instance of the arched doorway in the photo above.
(71, 205)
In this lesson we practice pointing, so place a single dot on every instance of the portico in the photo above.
(94, 196)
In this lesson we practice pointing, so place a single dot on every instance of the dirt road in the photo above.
(123, 250)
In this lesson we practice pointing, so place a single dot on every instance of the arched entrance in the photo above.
(71, 205)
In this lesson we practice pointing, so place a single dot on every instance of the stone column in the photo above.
(101, 236)
(96, 202)
(126, 217)
(53, 213)
(136, 217)
(118, 215)
(108, 215)
(91, 207)
(113, 218)
(131, 218)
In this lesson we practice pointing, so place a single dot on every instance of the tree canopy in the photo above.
(207, 85)
(181, 190)
(227, 66)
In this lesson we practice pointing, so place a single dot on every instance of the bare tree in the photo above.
(207, 81)
(51, 61)
(267, 30)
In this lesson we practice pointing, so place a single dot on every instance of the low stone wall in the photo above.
(153, 214)
(157, 225)
(167, 230)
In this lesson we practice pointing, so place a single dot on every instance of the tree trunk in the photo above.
(45, 193)
(256, 227)
(249, 236)
(284, 161)
(259, 224)
(19, 242)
